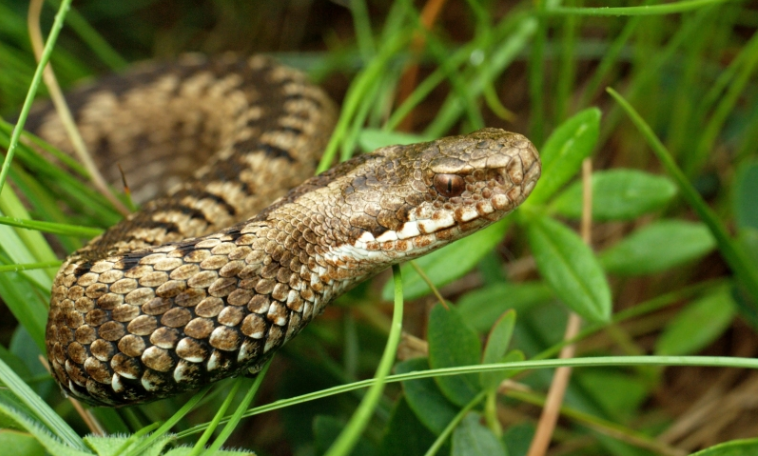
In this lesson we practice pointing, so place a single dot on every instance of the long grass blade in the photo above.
(736, 257)
(36, 79)
(352, 432)
(668, 8)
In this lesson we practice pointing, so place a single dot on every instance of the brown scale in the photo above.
(178, 295)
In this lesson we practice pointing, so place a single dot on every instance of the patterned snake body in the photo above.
(179, 295)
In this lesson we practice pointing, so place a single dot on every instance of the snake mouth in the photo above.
(416, 237)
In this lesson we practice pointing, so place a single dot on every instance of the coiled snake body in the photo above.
(208, 281)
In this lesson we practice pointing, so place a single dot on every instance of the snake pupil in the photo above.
(449, 185)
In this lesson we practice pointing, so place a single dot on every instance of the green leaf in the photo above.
(563, 152)
(114, 445)
(698, 324)
(448, 263)
(619, 194)
(619, 393)
(570, 268)
(15, 363)
(748, 240)
(104, 445)
(746, 304)
(404, 433)
(480, 308)
(22, 443)
(496, 347)
(425, 398)
(518, 437)
(23, 349)
(26, 303)
(657, 247)
(452, 343)
(747, 447)
(745, 189)
(472, 439)
(187, 451)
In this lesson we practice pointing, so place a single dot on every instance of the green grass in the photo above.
(663, 99)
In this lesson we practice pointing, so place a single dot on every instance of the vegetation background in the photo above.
(671, 268)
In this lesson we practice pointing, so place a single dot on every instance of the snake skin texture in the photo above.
(244, 251)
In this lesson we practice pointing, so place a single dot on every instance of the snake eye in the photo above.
(449, 185)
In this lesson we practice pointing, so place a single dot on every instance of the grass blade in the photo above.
(36, 79)
(736, 258)
(50, 227)
(349, 437)
(231, 424)
(668, 8)
(35, 403)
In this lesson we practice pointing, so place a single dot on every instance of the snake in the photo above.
(239, 246)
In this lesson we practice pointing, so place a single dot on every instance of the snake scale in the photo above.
(243, 251)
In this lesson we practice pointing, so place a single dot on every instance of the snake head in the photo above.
(402, 201)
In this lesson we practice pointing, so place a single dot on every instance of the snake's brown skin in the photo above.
(178, 295)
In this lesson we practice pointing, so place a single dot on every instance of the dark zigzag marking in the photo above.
(201, 194)
(302, 96)
(271, 151)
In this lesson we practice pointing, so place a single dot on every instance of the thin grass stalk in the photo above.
(652, 68)
(362, 27)
(600, 425)
(641, 309)
(199, 446)
(61, 107)
(610, 58)
(28, 266)
(537, 78)
(649, 10)
(567, 72)
(724, 108)
(559, 384)
(593, 361)
(358, 422)
(236, 417)
(33, 86)
(46, 415)
(360, 86)
(736, 257)
(102, 49)
(50, 227)
(448, 431)
(33, 241)
(501, 56)
(168, 424)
